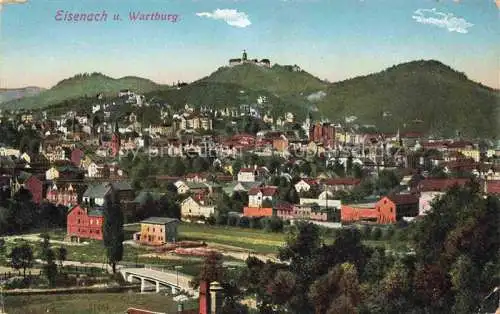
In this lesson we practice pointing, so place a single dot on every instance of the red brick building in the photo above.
(84, 223)
(387, 210)
(394, 208)
(323, 133)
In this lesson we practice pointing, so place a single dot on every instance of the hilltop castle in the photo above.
(244, 59)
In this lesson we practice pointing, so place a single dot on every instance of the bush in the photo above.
(376, 234)
(254, 223)
(221, 220)
(211, 220)
(366, 232)
(401, 234)
(232, 221)
(274, 224)
(389, 233)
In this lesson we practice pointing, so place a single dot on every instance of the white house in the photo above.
(246, 175)
(93, 170)
(425, 200)
(191, 208)
(51, 174)
(182, 187)
(257, 195)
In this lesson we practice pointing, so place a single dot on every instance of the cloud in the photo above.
(443, 20)
(230, 16)
(2, 2)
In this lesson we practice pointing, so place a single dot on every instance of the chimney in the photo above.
(216, 298)
(204, 298)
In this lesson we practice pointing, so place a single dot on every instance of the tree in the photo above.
(45, 247)
(113, 234)
(211, 270)
(62, 254)
(21, 257)
(2, 247)
(50, 268)
(465, 279)
(376, 266)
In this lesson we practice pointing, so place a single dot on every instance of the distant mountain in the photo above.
(7, 94)
(82, 85)
(422, 95)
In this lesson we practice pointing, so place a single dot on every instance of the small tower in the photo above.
(244, 58)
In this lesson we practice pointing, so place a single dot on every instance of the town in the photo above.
(299, 157)
(60, 172)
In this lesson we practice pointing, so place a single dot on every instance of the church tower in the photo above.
(244, 58)
(115, 141)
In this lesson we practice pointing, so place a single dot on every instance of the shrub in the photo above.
(254, 223)
(376, 234)
(274, 224)
(389, 233)
(221, 220)
(232, 221)
(366, 232)
(211, 220)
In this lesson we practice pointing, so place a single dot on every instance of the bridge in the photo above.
(159, 278)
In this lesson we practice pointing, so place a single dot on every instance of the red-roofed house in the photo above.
(440, 185)
(430, 189)
(257, 195)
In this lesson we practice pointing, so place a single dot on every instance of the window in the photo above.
(153, 229)
(161, 230)
(78, 220)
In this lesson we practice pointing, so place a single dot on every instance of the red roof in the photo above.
(266, 191)
(403, 199)
(246, 170)
(459, 144)
(341, 181)
(440, 184)
(310, 181)
(493, 187)
(269, 190)
(412, 134)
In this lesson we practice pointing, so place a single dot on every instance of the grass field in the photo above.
(91, 303)
(254, 240)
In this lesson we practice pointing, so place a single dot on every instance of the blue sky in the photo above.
(332, 39)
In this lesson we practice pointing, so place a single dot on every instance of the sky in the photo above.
(331, 39)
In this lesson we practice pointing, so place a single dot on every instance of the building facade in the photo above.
(157, 231)
(84, 223)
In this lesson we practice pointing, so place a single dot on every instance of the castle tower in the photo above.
(244, 58)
